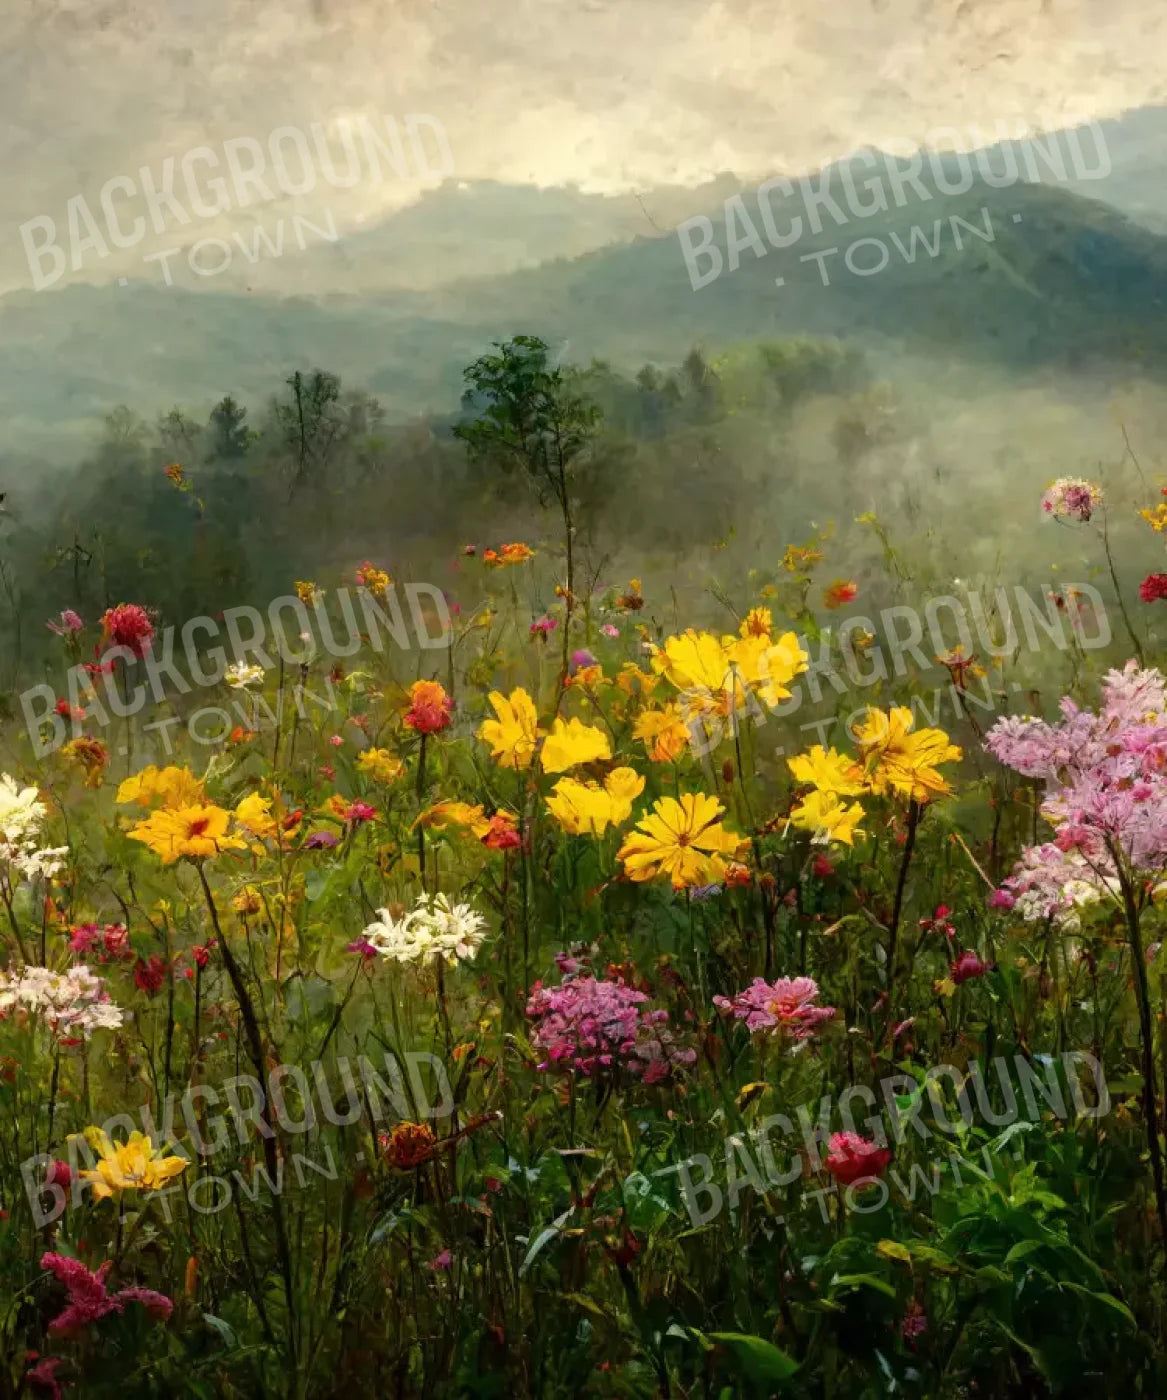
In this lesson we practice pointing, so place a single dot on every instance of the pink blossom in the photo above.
(1105, 777)
(783, 1006)
(966, 967)
(88, 1301)
(43, 1375)
(69, 622)
(590, 1026)
(854, 1159)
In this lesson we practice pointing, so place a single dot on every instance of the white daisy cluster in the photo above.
(22, 814)
(69, 1003)
(434, 928)
(241, 675)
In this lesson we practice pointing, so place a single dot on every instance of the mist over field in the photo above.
(583, 717)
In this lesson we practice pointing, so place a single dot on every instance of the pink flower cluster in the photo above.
(68, 623)
(782, 1007)
(588, 1026)
(1072, 498)
(88, 1300)
(1106, 793)
(108, 944)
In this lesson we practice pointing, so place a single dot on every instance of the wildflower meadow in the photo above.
(553, 1011)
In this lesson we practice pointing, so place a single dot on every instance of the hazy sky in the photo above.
(611, 95)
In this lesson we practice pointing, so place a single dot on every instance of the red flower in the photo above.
(430, 708)
(822, 867)
(150, 975)
(853, 1158)
(359, 812)
(840, 592)
(1154, 586)
(128, 625)
(967, 966)
(60, 1173)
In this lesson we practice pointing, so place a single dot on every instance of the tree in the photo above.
(532, 417)
(230, 435)
(311, 421)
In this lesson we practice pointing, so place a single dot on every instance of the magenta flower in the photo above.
(88, 1301)
(786, 1006)
(966, 967)
(590, 1026)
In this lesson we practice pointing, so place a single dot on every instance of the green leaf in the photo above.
(1108, 1299)
(759, 1359)
(224, 1329)
(892, 1249)
(543, 1238)
(863, 1281)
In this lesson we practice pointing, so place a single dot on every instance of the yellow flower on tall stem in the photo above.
(129, 1166)
(663, 732)
(514, 735)
(380, 765)
(572, 742)
(828, 771)
(161, 787)
(899, 761)
(830, 818)
(682, 838)
(187, 831)
(587, 809)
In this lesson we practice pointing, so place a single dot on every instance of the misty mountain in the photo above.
(1029, 277)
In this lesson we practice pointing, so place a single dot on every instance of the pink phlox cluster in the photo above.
(590, 1026)
(1106, 793)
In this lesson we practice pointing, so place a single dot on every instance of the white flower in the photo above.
(242, 675)
(34, 864)
(433, 929)
(21, 815)
(21, 812)
(70, 1003)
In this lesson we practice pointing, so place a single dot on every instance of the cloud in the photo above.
(610, 95)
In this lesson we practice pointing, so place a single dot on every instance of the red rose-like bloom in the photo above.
(150, 976)
(60, 1173)
(128, 625)
(1153, 587)
(967, 966)
(853, 1158)
(429, 707)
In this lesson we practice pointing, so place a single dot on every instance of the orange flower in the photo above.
(430, 708)
(409, 1145)
(507, 554)
(502, 833)
(377, 581)
(840, 592)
